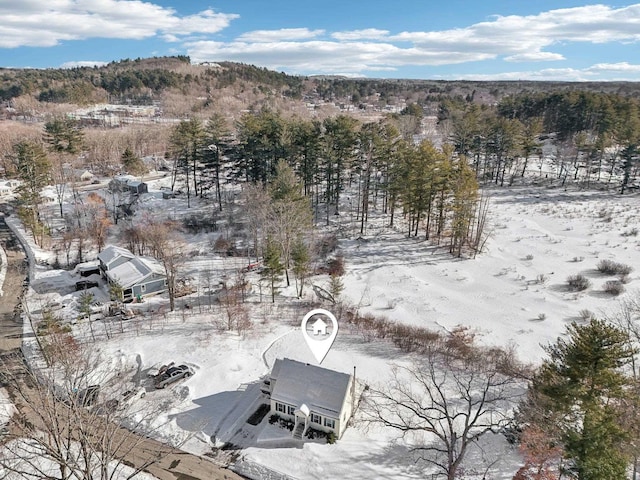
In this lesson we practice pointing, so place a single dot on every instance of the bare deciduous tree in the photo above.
(67, 428)
(168, 246)
(446, 404)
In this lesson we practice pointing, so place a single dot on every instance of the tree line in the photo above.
(346, 169)
(596, 136)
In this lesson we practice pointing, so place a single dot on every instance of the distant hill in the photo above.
(170, 79)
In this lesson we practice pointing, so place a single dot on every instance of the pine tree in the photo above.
(218, 144)
(578, 393)
(300, 257)
(289, 214)
(273, 267)
(187, 146)
(132, 163)
(463, 204)
(34, 171)
(63, 136)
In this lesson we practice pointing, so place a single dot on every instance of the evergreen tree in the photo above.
(463, 204)
(187, 145)
(34, 171)
(218, 138)
(339, 143)
(273, 267)
(289, 214)
(63, 136)
(301, 258)
(133, 164)
(261, 145)
(579, 393)
(84, 307)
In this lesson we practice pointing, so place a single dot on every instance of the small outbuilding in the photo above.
(311, 396)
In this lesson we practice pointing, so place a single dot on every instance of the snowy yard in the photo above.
(513, 294)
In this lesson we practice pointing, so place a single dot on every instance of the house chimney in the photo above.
(353, 391)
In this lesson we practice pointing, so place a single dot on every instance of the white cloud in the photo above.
(615, 67)
(326, 56)
(534, 57)
(532, 38)
(509, 38)
(83, 63)
(45, 23)
(282, 34)
(527, 36)
(547, 74)
(598, 72)
(366, 34)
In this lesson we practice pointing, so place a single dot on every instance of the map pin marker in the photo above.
(319, 335)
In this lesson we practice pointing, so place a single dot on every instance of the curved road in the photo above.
(175, 464)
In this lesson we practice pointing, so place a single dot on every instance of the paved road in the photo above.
(175, 464)
(10, 322)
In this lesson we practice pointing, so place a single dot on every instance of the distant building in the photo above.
(7, 187)
(128, 183)
(138, 277)
(85, 176)
(311, 396)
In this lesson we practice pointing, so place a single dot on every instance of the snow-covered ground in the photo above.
(512, 294)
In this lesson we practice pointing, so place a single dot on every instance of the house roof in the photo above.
(130, 273)
(110, 253)
(298, 383)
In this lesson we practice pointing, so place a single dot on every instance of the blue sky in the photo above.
(451, 39)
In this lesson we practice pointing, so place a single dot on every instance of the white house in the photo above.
(311, 396)
(7, 187)
(85, 175)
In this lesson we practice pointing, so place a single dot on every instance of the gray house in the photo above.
(128, 183)
(311, 396)
(139, 277)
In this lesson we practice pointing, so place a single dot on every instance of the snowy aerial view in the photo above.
(296, 242)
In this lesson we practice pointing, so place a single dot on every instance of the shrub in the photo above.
(587, 315)
(614, 287)
(331, 438)
(624, 279)
(541, 279)
(529, 257)
(542, 316)
(609, 267)
(312, 434)
(606, 215)
(335, 266)
(327, 245)
(273, 419)
(578, 283)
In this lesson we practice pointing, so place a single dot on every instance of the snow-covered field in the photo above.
(513, 294)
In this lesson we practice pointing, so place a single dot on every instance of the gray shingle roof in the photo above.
(321, 389)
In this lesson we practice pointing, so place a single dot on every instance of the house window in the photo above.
(291, 410)
(329, 422)
(280, 407)
(143, 288)
(315, 418)
(165, 282)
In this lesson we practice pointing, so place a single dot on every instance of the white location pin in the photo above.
(320, 335)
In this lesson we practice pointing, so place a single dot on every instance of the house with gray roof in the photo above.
(311, 396)
(138, 276)
(128, 183)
